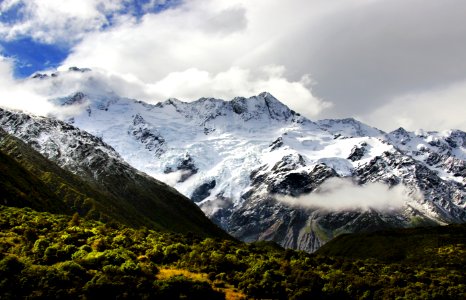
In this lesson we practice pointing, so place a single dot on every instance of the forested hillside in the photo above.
(46, 255)
(118, 194)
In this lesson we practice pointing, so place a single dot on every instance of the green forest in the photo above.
(44, 255)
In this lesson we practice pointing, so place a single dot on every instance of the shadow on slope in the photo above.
(122, 194)
(396, 245)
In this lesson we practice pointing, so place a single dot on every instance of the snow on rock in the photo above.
(233, 158)
(349, 127)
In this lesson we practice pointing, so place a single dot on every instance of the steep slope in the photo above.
(103, 186)
(21, 188)
(237, 158)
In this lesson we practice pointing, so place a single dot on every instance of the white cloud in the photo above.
(33, 95)
(211, 35)
(51, 21)
(193, 84)
(13, 95)
(363, 56)
(201, 49)
(359, 53)
(8, 4)
(438, 109)
(172, 178)
(337, 194)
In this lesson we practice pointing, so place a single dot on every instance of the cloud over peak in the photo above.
(365, 59)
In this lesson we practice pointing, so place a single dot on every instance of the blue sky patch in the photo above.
(31, 56)
(140, 8)
(12, 15)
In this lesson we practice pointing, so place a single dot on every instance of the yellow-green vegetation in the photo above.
(230, 292)
(46, 255)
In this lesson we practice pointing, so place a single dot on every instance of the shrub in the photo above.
(10, 265)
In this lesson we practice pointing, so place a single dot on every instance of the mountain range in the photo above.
(256, 168)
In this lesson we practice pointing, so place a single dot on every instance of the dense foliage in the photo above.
(393, 245)
(47, 255)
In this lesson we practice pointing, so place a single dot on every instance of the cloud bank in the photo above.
(340, 194)
(32, 95)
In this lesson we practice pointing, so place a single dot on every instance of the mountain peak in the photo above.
(76, 69)
(93, 179)
(400, 131)
(259, 107)
(349, 127)
(256, 107)
(223, 155)
(72, 69)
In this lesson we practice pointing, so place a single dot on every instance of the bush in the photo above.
(10, 265)
(40, 246)
(180, 287)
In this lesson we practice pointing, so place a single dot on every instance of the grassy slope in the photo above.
(29, 179)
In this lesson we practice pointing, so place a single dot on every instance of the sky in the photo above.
(387, 63)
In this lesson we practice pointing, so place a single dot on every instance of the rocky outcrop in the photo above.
(149, 137)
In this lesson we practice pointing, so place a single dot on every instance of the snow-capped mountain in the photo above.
(103, 186)
(237, 159)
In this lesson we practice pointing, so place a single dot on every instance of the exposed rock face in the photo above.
(276, 144)
(203, 191)
(298, 183)
(357, 152)
(78, 98)
(186, 165)
(149, 137)
(236, 158)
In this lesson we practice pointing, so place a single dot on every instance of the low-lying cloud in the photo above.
(172, 178)
(337, 194)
